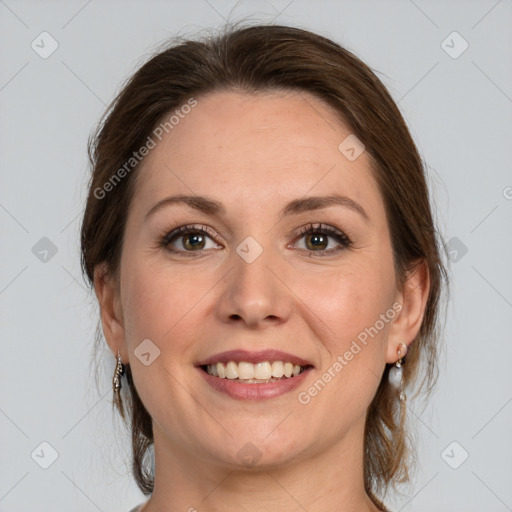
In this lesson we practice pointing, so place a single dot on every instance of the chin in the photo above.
(260, 455)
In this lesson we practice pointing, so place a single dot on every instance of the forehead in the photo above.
(256, 148)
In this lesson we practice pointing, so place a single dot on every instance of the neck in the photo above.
(329, 481)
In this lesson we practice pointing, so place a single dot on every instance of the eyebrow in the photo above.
(309, 203)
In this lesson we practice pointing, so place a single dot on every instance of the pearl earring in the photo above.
(395, 375)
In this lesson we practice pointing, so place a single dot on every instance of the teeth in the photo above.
(245, 370)
(232, 370)
(249, 372)
(262, 370)
(277, 369)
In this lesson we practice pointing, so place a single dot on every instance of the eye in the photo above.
(189, 239)
(318, 239)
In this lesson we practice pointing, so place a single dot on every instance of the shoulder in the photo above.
(140, 508)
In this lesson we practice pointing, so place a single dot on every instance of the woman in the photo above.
(259, 237)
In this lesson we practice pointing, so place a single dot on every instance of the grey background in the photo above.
(459, 111)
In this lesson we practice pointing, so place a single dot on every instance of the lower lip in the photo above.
(239, 391)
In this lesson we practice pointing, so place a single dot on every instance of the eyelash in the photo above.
(339, 236)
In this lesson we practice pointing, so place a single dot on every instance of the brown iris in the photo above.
(316, 237)
(193, 241)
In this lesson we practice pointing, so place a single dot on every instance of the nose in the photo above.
(255, 293)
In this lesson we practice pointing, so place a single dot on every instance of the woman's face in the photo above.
(253, 282)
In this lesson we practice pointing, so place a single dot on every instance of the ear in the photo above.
(413, 298)
(107, 293)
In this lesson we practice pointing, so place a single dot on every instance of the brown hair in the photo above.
(265, 58)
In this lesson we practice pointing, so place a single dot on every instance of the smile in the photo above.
(249, 373)
(254, 375)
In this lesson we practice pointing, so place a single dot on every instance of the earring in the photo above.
(118, 373)
(395, 376)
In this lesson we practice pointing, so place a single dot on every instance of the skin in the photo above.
(255, 153)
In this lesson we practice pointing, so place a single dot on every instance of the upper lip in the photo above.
(254, 357)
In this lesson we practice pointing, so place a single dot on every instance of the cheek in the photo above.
(148, 301)
(143, 308)
(350, 301)
(357, 308)
(164, 305)
(160, 306)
